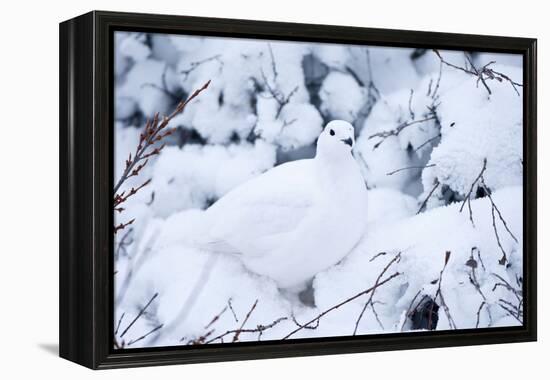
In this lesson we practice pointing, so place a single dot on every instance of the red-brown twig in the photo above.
(155, 131)
(238, 333)
(122, 226)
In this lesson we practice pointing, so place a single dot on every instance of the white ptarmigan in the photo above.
(298, 218)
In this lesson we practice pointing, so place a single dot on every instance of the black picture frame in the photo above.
(86, 168)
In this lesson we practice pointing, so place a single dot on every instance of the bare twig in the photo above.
(122, 226)
(434, 95)
(518, 294)
(216, 317)
(411, 112)
(155, 131)
(318, 317)
(497, 210)
(232, 310)
(439, 294)
(395, 132)
(145, 335)
(410, 167)
(309, 327)
(482, 74)
(469, 194)
(377, 256)
(124, 242)
(260, 329)
(410, 308)
(118, 324)
(274, 90)
(142, 310)
(238, 332)
(472, 263)
(494, 208)
(164, 87)
(194, 65)
(516, 311)
(425, 202)
(431, 139)
(370, 299)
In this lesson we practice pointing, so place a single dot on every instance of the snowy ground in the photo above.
(266, 105)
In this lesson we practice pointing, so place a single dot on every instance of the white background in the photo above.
(29, 187)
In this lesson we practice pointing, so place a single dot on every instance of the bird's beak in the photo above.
(348, 141)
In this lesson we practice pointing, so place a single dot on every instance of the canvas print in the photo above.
(279, 190)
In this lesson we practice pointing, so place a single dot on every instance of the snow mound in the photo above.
(196, 176)
(478, 126)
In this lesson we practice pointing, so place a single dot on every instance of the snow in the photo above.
(298, 125)
(413, 235)
(472, 123)
(196, 176)
(341, 96)
(263, 108)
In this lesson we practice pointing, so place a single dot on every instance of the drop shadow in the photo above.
(51, 348)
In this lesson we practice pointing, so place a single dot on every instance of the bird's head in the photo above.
(337, 138)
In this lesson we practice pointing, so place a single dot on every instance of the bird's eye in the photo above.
(332, 132)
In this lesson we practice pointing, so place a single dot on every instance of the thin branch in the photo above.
(410, 167)
(469, 194)
(411, 112)
(124, 242)
(236, 337)
(425, 202)
(395, 132)
(494, 208)
(194, 65)
(121, 226)
(369, 301)
(510, 312)
(260, 329)
(493, 204)
(439, 294)
(232, 310)
(309, 327)
(118, 324)
(139, 314)
(427, 142)
(472, 263)
(364, 292)
(434, 95)
(145, 335)
(410, 308)
(151, 135)
(482, 74)
(154, 132)
(216, 317)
